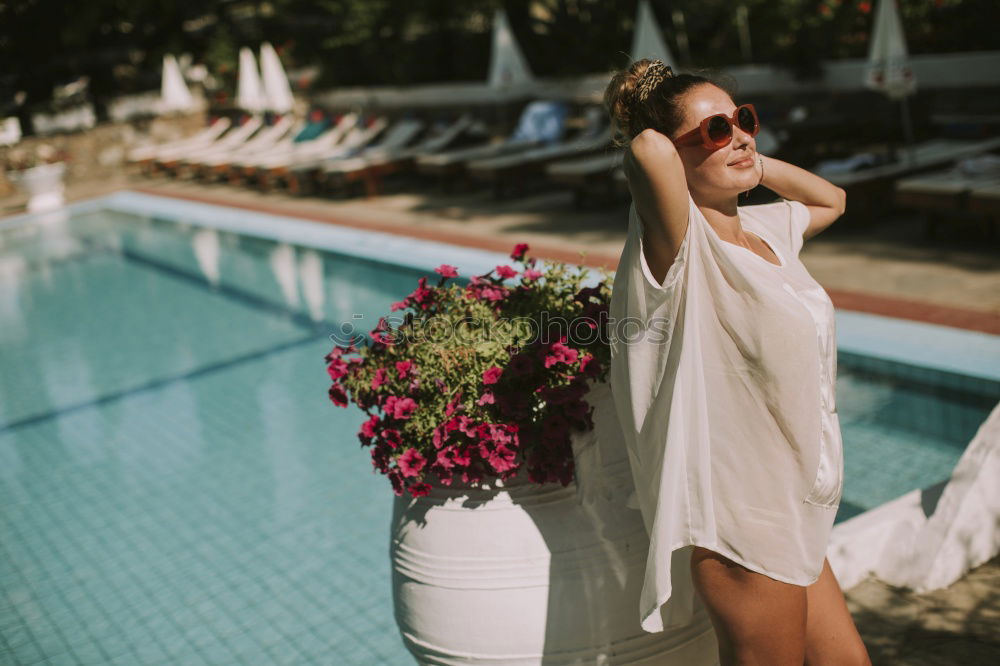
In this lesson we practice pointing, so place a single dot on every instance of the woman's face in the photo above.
(711, 172)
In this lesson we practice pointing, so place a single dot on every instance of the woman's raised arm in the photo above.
(659, 189)
(825, 201)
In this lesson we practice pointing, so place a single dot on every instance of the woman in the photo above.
(723, 370)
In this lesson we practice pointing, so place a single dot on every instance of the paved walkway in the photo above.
(890, 270)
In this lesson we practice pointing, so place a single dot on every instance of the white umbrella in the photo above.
(174, 93)
(276, 89)
(647, 40)
(249, 95)
(888, 69)
(508, 66)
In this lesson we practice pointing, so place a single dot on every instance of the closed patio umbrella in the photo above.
(888, 69)
(250, 93)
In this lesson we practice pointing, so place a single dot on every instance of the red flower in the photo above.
(447, 271)
(492, 375)
(337, 368)
(864, 7)
(560, 353)
(368, 428)
(337, 395)
(399, 408)
(486, 399)
(379, 379)
(519, 250)
(411, 462)
(531, 274)
(391, 437)
(420, 489)
(505, 272)
(501, 459)
(403, 367)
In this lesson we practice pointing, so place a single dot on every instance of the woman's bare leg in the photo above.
(759, 621)
(831, 637)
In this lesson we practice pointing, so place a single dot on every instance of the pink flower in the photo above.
(519, 250)
(447, 271)
(420, 489)
(399, 408)
(501, 459)
(391, 437)
(505, 272)
(486, 399)
(337, 395)
(560, 353)
(411, 462)
(368, 428)
(531, 274)
(337, 368)
(492, 375)
(379, 378)
(403, 367)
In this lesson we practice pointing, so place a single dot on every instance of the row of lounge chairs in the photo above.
(335, 153)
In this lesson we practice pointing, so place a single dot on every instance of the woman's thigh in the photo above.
(758, 620)
(831, 636)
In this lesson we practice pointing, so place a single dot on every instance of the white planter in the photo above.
(527, 574)
(43, 184)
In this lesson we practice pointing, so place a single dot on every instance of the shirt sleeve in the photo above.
(799, 218)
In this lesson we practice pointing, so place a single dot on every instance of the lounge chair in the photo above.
(145, 155)
(927, 156)
(870, 189)
(396, 138)
(595, 136)
(587, 175)
(214, 163)
(969, 189)
(371, 168)
(301, 174)
(541, 123)
(317, 125)
(277, 165)
(169, 159)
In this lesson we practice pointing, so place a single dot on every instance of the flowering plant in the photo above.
(473, 382)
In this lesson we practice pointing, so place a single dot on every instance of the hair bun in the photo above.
(655, 72)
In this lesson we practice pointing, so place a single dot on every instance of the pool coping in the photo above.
(922, 344)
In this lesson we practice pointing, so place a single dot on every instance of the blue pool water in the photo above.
(176, 486)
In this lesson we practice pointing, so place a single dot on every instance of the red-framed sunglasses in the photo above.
(716, 131)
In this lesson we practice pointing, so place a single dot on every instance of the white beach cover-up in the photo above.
(723, 379)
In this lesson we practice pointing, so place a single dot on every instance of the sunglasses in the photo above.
(716, 131)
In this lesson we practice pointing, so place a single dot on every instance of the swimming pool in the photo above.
(176, 486)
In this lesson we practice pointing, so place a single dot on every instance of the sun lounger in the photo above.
(541, 123)
(272, 166)
(146, 154)
(169, 159)
(926, 157)
(396, 138)
(500, 171)
(586, 175)
(212, 163)
(300, 174)
(969, 189)
(370, 168)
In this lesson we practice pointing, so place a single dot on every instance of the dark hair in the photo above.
(661, 109)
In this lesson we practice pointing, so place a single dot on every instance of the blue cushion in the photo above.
(541, 121)
(311, 131)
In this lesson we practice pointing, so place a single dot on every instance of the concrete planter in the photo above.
(43, 184)
(523, 573)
